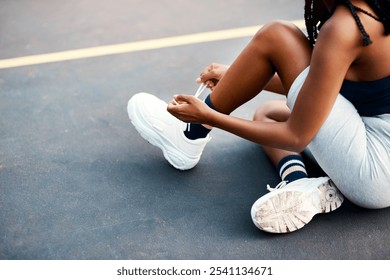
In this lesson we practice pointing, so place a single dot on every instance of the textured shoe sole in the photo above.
(291, 210)
(180, 162)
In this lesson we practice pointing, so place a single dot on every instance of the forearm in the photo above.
(272, 134)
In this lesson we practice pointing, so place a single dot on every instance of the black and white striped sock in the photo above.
(292, 168)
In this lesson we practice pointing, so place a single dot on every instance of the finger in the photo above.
(172, 109)
(212, 75)
(174, 106)
(181, 98)
(212, 66)
(203, 77)
(210, 84)
(206, 72)
(174, 102)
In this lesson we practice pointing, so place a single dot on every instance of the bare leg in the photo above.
(278, 47)
(274, 111)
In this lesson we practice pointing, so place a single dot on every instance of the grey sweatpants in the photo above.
(354, 151)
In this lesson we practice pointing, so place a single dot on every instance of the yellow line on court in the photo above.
(134, 46)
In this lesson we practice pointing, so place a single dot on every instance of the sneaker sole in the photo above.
(289, 211)
(179, 162)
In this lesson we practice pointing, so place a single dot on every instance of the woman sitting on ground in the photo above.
(337, 83)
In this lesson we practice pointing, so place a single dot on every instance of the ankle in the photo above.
(195, 131)
(292, 168)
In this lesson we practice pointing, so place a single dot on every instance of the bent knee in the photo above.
(277, 29)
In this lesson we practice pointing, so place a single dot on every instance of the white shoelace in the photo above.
(282, 184)
(201, 88)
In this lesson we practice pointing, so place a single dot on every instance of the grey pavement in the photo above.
(78, 182)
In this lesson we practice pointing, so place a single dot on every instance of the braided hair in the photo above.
(316, 14)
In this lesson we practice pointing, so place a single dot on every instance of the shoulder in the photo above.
(341, 28)
(338, 46)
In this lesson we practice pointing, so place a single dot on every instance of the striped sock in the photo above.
(292, 168)
(196, 130)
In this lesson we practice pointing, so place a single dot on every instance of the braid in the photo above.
(316, 14)
(381, 9)
(366, 38)
(311, 26)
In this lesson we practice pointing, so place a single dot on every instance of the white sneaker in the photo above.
(150, 117)
(289, 207)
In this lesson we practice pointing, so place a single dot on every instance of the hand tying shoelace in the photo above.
(200, 90)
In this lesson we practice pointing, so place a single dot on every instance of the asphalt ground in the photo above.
(78, 182)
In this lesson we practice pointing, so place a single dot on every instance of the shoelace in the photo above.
(282, 184)
(201, 88)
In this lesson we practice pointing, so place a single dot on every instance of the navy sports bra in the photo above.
(369, 98)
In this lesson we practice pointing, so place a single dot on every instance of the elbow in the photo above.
(299, 143)
(299, 137)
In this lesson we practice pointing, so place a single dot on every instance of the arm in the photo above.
(337, 47)
(333, 54)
